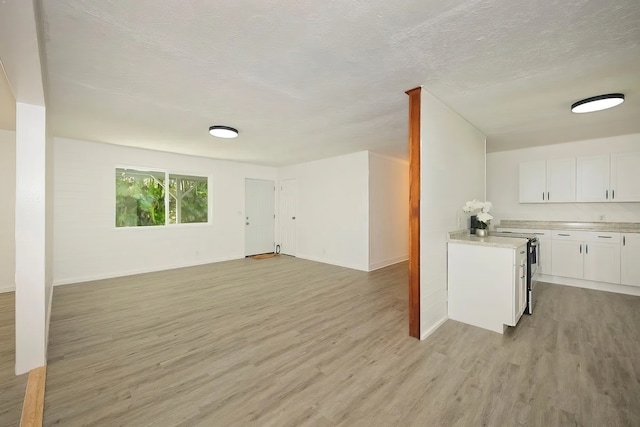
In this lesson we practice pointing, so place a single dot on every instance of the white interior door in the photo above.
(259, 216)
(288, 200)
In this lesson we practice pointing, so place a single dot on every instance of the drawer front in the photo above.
(542, 234)
(569, 235)
(602, 236)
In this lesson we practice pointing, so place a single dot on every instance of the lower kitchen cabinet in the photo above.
(602, 262)
(584, 255)
(630, 259)
(487, 286)
(544, 263)
(567, 259)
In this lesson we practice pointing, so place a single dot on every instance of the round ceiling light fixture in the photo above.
(597, 103)
(223, 131)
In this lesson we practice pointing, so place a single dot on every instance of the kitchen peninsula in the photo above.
(487, 283)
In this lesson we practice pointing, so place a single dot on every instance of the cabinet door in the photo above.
(625, 177)
(532, 182)
(561, 180)
(520, 290)
(630, 263)
(593, 179)
(544, 262)
(566, 258)
(602, 262)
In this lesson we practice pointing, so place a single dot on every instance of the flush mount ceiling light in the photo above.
(597, 103)
(223, 131)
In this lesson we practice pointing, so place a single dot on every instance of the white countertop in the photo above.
(463, 237)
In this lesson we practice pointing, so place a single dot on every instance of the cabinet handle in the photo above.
(580, 248)
(539, 234)
(607, 194)
(586, 249)
(613, 194)
(624, 241)
(522, 252)
(604, 237)
(548, 198)
(566, 235)
(543, 195)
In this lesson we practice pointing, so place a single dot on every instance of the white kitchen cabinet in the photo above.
(533, 186)
(487, 286)
(544, 263)
(609, 178)
(561, 180)
(548, 181)
(625, 177)
(567, 259)
(602, 262)
(520, 290)
(586, 255)
(630, 259)
(593, 179)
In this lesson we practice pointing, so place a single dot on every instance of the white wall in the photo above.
(8, 211)
(333, 209)
(49, 228)
(87, 244)
(451, 172)
(388, 211)
(30, 237)
(503, 179)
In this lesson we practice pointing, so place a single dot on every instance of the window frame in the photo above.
(167, 196)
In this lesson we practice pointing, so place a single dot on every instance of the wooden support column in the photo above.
(33, 407)
(414, 211)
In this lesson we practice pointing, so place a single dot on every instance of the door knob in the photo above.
(293, 217)
(247, 223)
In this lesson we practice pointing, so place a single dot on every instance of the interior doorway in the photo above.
(259, 206)
(288, 200)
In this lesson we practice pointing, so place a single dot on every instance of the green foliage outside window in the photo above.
(188, 200)
(140, 198)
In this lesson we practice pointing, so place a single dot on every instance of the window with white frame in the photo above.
(153, 198)
(188, 201)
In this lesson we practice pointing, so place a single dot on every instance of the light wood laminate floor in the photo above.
(289, 342)
(12, 387)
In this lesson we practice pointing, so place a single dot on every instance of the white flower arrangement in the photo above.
(481, 209)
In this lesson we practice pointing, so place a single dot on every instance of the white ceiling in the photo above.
(310, 79)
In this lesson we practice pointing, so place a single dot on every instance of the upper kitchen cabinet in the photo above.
(533, 187)
(625, 177)
(548, 181)
(593, 179)
(609, 178)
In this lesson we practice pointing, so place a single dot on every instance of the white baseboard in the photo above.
(432, 329)
(11, 288)
(94, 277)
(331, 262)
(587, 284)
(387, 262)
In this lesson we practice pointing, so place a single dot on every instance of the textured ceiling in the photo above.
(309, 79)
(7, 104)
